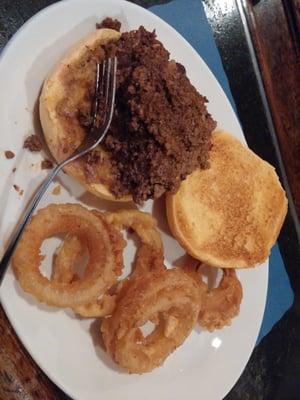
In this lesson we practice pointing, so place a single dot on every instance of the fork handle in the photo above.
(25, 218)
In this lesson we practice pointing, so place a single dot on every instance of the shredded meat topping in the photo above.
(161, 128)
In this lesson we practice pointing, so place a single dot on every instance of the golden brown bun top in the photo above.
(230, 214)
(64, 92)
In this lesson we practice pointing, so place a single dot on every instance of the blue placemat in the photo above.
(189, 19)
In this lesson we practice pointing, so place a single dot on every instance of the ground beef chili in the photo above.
(161, 128)
(9, 154)
(33, 143)
(46, 164)
(110, 23)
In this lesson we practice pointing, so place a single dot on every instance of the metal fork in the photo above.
(105, 89)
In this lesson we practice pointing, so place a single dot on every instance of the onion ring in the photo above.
(75, 220)
(167, 297)
(72, 249)
(149, 256)
(69, 253)
(67, 256)
(142, 223)
(221, 304)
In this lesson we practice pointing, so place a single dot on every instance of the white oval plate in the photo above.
(208, 364)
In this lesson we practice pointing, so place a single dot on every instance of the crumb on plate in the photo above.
(18, 189)
(46, 164)
(56, 190)
(9, 154)
(33, 143)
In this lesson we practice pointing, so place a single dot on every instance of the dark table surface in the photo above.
(247, 30)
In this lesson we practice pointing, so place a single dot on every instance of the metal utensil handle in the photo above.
(26, 217)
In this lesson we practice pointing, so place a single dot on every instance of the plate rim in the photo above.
(3, 53)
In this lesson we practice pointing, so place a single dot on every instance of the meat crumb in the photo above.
(109, 23)
(46, 164)
(14, 170)
(33, 143)
(9, 154)
(56, 190)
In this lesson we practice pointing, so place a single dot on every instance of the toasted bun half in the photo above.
(230, 214)
(63, 91)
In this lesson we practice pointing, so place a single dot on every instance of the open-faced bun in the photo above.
(63, 91)
(230, 214)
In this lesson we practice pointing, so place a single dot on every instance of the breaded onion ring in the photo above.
(142, 223)
(170, 299)
(72, 249)
(149, 255)
(148, 258)
(221, 304)
(69, 253)
(73, 219)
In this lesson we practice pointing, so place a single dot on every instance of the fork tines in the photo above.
(105, 87)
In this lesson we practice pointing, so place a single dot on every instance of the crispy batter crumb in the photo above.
(56, 190)
(18, 189)
(33, 143)
(9, 154)
(46, 164)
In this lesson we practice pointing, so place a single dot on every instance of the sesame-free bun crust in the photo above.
(63, 138)
(229, 215)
